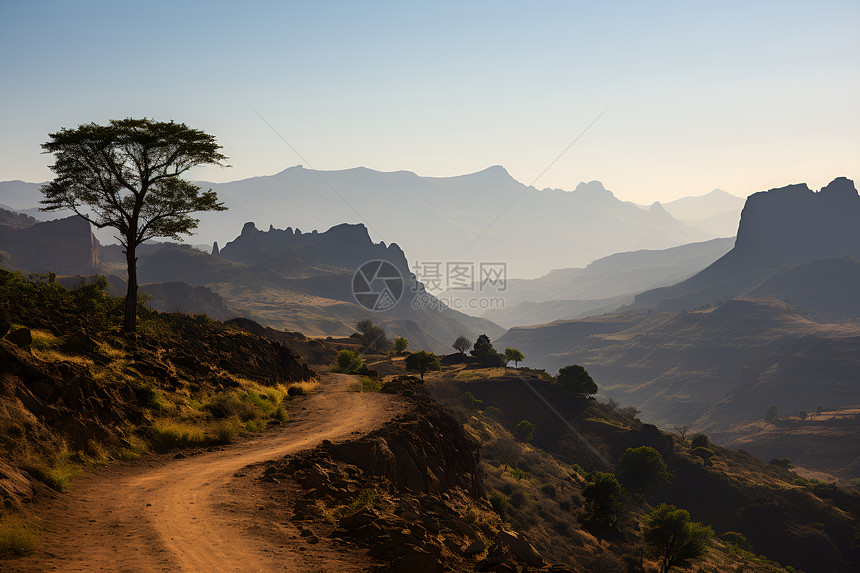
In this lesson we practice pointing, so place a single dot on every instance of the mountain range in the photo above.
(773, 321)
(601, 286)
(485, 216)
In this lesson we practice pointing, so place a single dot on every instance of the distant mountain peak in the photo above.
(593, 189)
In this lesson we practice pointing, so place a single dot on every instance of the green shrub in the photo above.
(225, 431)
(781, 462)
(255, 426)
(500, 504)
(295, 391)
(524, 431)
(736, 539)
(470, 402)
(347, 362)
(365, 384)
(575, 380)
(670, 536)
(604, 499)
(281, 415)
(700, 441)
(229, 405)
(642, 470)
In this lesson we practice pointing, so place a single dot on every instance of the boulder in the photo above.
(418, 562)
(474, 548)
(20, 337)
(357, 519)
(520, 548)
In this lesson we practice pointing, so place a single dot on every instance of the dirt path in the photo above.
(170, 515)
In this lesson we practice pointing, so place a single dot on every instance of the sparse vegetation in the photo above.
(166, 435)
(366, 384)
(500, 504)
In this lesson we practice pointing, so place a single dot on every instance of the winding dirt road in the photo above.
(174, 514)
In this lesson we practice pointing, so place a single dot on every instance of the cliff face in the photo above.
(793, 224)
(64, 246)
(343, 246)
(779, 228)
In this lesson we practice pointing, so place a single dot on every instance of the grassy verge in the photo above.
(16, 536)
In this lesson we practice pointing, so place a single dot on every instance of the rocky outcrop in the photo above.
(779, 228)
(343, 246)
(63, 246)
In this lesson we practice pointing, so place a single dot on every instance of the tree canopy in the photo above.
(422, 362)
(462, 344)
(673, 538)
(574, 379)
(604, 499)
(372, 335)
(400, 344)
(483, 350)
(514, 355)
(127, 175)
(642, 470)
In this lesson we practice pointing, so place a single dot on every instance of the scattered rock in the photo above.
(79, 343)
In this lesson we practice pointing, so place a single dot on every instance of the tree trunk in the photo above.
(130, 321)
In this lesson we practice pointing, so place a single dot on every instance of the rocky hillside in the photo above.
(790, 520)
(74, 390)
(711, 368)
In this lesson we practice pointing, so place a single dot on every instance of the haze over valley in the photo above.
(451, 287)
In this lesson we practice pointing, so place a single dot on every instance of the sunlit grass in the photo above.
(43, 340)
(54, 355)
(16, 536)
(167, 434)
(306, 386)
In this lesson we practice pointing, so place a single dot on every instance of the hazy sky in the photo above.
(743, 96)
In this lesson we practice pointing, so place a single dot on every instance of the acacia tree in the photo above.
(514, 355)
(422, 362)
(128, 176)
